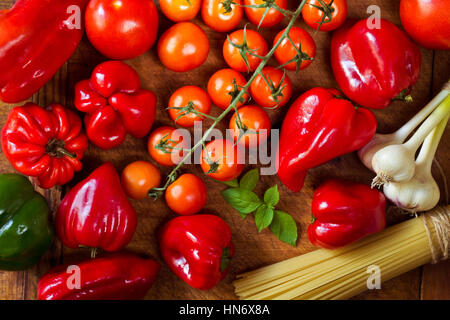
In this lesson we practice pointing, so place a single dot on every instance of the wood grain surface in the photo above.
(253, 250)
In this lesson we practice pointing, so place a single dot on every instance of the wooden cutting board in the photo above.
(253, 250)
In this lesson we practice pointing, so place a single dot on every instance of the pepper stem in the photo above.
(225, 259)
(55, 148)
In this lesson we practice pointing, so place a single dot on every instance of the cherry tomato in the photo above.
(286, 51)
(220, 87)
(220, 160)
(312, 15)
(262, 93)
(427, 22)
(188, 96)
(255, 125)
(272, 17)
(186, 195)
(254, 41)
(164, 146)
(121, 29)
(180, 10)
(183, 47)
(217, 18)
(138, 178)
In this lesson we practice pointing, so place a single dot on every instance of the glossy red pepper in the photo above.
(115, 104)
(319, 127)
(117, 276)
(374, 65)
(36, 38)
(96, 213)
(47, 144)
(344, 212)
(197, 248)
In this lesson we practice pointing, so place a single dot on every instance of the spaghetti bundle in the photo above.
(343, 273)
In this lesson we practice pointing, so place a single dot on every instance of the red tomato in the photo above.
(220, 160)
(261, 92)
(121, 29)
(273, 16)
(183, 47)
(186, 195)
(255, 124)
(427, 22)
(185, 96)
(180, 10)
(286, 51)
(139, 177)
(220, 87)
(313, 16)
(164, 146)
(215, 16)
(254, 41)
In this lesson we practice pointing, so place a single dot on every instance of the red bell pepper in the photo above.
(36, 38)
(197, 248)
(96, 213)
(115, 104)
(117, 276)
(47, 144)
(374, 65)
(344, 212)
(318, 127)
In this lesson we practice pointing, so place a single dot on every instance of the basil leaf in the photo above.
(272, 196)
(263, 217)
(232, 183)
(250, 179)
(284, 227)
(244, 201)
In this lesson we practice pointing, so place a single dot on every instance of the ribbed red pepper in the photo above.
(47, 144)
(96, 213)
(118, 276)
(344, 212)
(36, 38)
(115, 104)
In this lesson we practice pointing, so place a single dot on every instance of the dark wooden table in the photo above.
(252, 249)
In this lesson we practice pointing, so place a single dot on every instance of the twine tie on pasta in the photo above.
(440, 218)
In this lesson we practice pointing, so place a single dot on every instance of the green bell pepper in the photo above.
(25, 230)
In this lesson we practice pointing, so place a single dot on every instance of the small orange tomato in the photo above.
(165, 146)
(272, 17)
(220, 160)
(216, 17)
(138, 178)
(286, 51)
(312, 15)
(180, 10)
(253, 40)
(221, 87)
(190, 97)
(264, 94)
(186, 195)
(183, 47)
(255, 125)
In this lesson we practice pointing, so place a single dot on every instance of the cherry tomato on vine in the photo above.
(220, 18)
(272, 17)
(221, 87)
(186, 195)
(121, 29)
(286, 51)
(255, 125)
(427, 22)
(220, 160)
(183, 100)
(165, 146)
(138, 178)
(180, 10)
(265, 89)
(183, 47)
(251, 42)
(313, 13)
